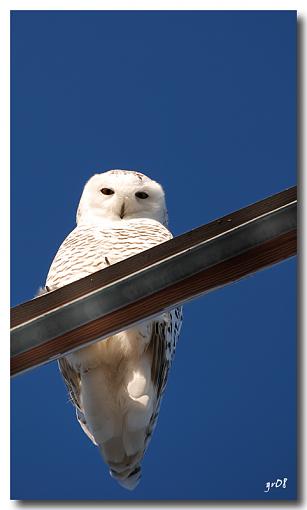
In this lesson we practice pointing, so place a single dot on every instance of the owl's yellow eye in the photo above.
(141, 194)
(107, 191)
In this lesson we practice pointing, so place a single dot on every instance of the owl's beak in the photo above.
(122, 211)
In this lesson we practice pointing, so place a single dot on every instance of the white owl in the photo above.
(116, 384)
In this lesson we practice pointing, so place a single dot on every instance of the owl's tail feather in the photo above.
(124, 468)
(128, 479)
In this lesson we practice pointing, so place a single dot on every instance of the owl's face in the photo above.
(120, 195)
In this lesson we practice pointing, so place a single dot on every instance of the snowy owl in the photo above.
(116, 385)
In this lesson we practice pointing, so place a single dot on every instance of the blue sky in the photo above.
(203, 102)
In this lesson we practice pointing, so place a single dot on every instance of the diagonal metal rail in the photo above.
(153, 281)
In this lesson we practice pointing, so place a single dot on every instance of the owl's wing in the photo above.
(162, 347)
(73, 383)
(89, 248)
(81, 253)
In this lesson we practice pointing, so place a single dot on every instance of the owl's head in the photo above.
(119, 195)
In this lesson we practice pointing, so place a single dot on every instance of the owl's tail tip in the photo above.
(129, 481)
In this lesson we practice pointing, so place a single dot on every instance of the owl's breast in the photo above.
(90, 248)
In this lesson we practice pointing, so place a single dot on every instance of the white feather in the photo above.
(117, 384)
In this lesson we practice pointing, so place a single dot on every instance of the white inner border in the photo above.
(5, 7)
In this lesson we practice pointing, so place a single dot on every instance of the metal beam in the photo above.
(153, 281)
